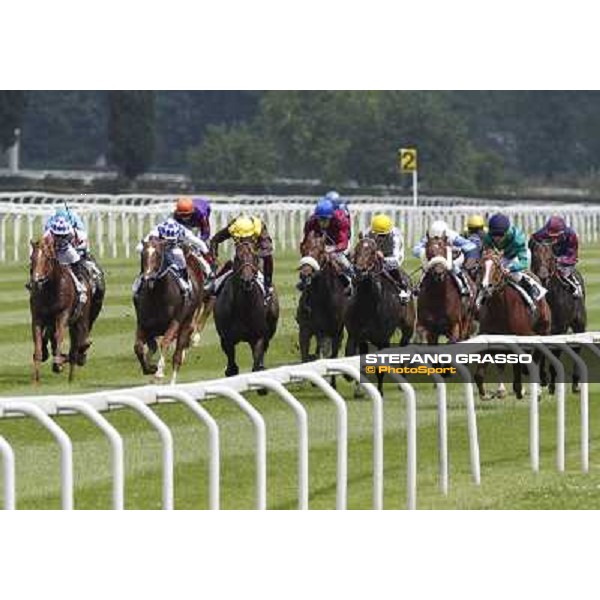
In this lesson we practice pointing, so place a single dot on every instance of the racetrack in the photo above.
(506, 479)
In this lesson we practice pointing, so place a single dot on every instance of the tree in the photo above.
(12, 109)
(131, 131)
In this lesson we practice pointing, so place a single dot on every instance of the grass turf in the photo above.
(507, 481)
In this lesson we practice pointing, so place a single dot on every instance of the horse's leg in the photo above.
(258, 359)
(479, 378)
(182, 342)
(61, 324)
(454, 334)
(229, 348)
(165, 343)
(206, 309)
(36, 330)
(138, 348)
(304, 336)
(501, 391)
(518, 382)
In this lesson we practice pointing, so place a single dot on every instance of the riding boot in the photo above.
(462, 283)
(531, 289)
(184, 284)
(268, 290)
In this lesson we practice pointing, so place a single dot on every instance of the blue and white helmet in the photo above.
(169, 230)
(60, 226)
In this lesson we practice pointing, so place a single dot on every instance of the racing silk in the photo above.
(514, 247)
(391, 246)
(478, 241)
(80, 240)
(565, 248)
(65, 250)
(185, 236)
(338, 232)
(196, 221)
(467, 247)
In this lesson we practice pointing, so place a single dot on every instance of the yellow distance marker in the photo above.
(407, 160)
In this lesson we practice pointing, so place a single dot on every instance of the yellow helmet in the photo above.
(381, 224)
(244, 227)
(475, 222)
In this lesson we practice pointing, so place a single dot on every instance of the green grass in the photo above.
(507, 481)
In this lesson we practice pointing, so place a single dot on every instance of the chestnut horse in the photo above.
(53, 303)
(162, 311)
(441, 309)
(568, 311)
(505, 312)
(323, 302)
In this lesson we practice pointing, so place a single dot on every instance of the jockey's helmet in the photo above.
(169, 230)
(203, 206)
(60, 226)
(475, 222)
(381, 224)
(244, 227)
(499, 224)
(324, 209)
(555, 226)
(184, 206)
(438, 229)
(333, 196)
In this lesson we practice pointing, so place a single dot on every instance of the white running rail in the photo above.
(276, 380)
(117, 223)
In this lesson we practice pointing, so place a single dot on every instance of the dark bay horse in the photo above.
(322, 304)
(568, 311)
(504, 311)
(162, 311)
(441, 309)
(240, 312)
(375, 310)
(53, 303)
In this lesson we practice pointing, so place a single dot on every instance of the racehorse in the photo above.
(568, 311)
(322, 304)
(162, 311)
(505, 312)
(441, 309)
(240, 312)
(375, 310)
(54, 306)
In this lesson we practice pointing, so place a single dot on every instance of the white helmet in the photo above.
(438, 229)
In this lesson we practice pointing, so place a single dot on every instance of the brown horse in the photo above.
(53, 303)
(162, 311)
(441, 309)
(241, 314)
(375, 310)
(568, 311)
(505, 312)
(323, 302)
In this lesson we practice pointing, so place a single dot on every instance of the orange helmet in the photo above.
(185, 206)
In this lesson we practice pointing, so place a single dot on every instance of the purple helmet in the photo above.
(202, 205)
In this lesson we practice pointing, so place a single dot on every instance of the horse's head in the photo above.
(437, 257)
(245, 264)
(543, 261)
(153, 252)
(42, 261)
(366, 260)
(313, 246)
(491, 272)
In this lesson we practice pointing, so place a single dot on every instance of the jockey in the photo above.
(474, 231)
(565, 246)
(194, 213)
(466, 248)
(340, 204)
(335, 226)
(390, 248)
(64, 237)
(175, 235)
(80, 240)
(251, 229)
(512, 242)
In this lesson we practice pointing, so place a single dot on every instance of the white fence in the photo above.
(117, 223)
(275, 380)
